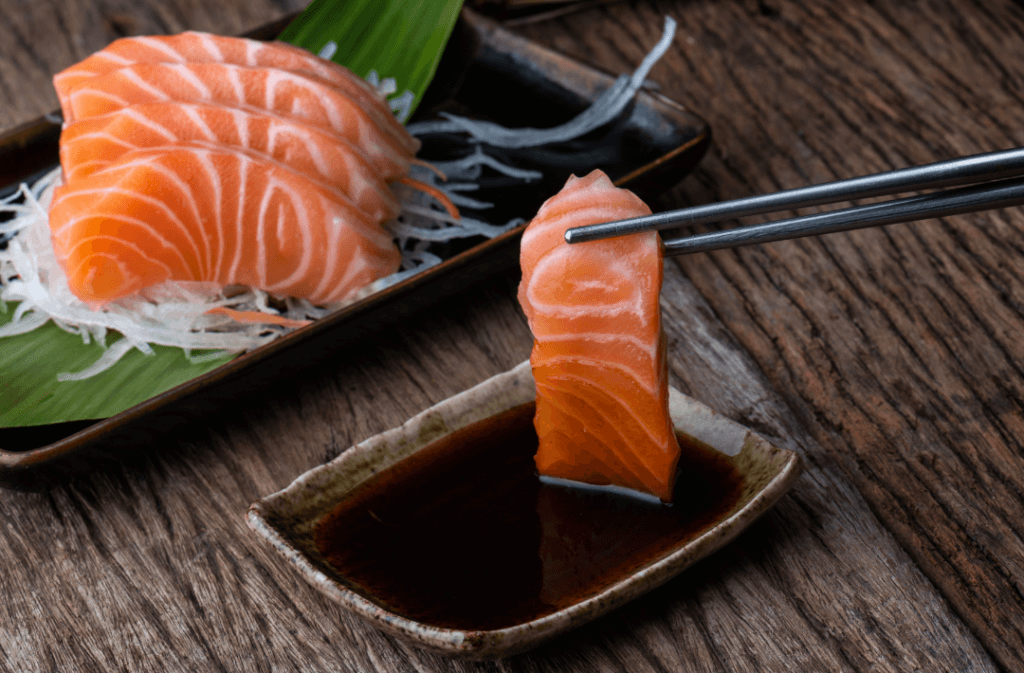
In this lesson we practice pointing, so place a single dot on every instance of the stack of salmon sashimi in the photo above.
(599, 358)
(223, 160)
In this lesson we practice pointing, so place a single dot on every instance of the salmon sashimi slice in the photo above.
(293, 95)
(196, 47)
(92, 143)
(215, 215)
(599, 353)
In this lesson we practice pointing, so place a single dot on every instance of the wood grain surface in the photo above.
(891, 359)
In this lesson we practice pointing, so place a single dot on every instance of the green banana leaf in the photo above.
(402, 39)
(30, 393)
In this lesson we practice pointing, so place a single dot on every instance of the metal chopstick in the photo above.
(954, 172)
(1000, 194)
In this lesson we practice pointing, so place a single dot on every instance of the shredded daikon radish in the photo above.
(105, 362)
(469, 167)
(328, 51)
(176, 313)
(467, 202)
(606, 108)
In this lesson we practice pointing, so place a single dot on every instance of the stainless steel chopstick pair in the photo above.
(1000, 174)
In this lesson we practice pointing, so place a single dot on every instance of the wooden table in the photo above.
(891, 359)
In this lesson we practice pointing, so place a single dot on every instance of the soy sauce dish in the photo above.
(441, 533)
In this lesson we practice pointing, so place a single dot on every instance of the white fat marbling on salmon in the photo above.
(579, 341)
(106, 138)
(200, 123)
(126, 270)
(242, 128)
(199, 80)
(113, 60)
(594, 367)
(158, 93)
(143, 225)
(211, 46)
(85, 167)
(261, 239)
(243, 195)
(96, 64)
(92, 97)
(99, 197)
(252, 48)
(109, 181)
(617, 445)
(187, 197)
(143, 252)
(202, 160)
(149, 123)
(160, 46)
(554, 291)
(236, 81)
(288, 206)
(283, 138)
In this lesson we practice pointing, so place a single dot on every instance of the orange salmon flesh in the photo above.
(196, 157)
(599, 354)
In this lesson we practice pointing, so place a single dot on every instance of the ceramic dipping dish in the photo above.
(468, 587)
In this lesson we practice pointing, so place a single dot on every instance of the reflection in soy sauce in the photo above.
(464, 534)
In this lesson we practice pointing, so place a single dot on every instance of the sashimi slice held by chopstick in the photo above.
(599, 357)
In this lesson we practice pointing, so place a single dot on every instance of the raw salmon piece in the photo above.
(92, 143)
(284, 93)
(599, 357)
(195, 47)
(218, 215)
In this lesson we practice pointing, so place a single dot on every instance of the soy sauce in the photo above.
(464, 534)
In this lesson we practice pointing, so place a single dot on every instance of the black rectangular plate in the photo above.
(486, 72)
